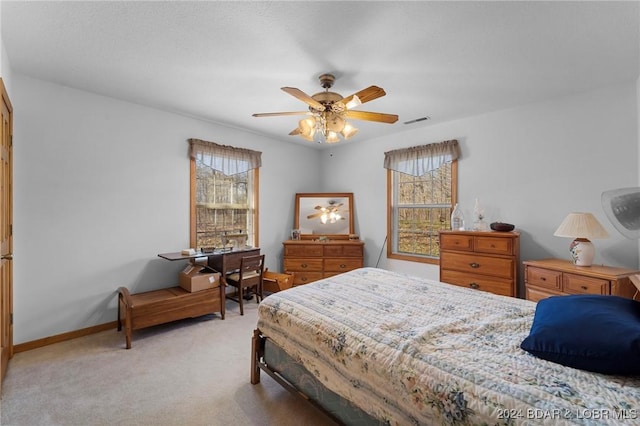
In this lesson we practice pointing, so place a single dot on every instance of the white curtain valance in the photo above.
(418, 160)
(228, 160)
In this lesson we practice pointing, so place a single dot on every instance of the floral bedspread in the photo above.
(409, 350)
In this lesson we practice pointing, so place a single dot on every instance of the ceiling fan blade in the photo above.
(295, 131)
(313, 216)
(366, 95)
(297, 93)
(372, 116)
(275, 114)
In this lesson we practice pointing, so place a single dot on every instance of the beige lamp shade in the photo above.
(582, 227)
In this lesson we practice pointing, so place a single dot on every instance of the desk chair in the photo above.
(248, 276)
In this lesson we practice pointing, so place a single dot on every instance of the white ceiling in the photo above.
(223, 61)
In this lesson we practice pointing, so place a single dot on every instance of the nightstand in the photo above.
(557, 277)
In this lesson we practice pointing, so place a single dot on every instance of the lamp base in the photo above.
(582, 252)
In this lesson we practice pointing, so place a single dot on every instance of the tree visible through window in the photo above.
(224, 194)
(421, 195)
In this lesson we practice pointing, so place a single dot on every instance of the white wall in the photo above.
(529, 166)
(5, 64)
(102, 187)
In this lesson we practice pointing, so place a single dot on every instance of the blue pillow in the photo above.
(590, 332)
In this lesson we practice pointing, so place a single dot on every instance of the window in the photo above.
(224, 193)
(421, 193)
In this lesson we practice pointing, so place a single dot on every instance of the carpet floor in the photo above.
(190, 372)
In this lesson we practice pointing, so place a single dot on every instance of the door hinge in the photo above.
(11, 319)
(11, 229)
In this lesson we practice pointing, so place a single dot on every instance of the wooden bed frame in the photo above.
(257, 363)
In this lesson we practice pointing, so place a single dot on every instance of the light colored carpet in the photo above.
(191, 372)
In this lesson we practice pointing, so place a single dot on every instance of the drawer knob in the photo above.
(584, 287)
(342, 265)
(474, 285)
(543, 279)
(303, 279)
(474, 265)
(304, 265)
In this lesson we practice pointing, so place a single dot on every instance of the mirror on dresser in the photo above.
(324, 215)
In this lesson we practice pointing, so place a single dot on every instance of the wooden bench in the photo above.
(142, 310)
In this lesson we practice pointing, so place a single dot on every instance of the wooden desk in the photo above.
(222, 261)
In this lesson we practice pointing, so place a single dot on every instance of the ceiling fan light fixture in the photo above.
(354, 102)
(348, 131)
(335, 123)
(332, 137)
(307, 127)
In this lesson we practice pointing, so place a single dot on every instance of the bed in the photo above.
(372, 346)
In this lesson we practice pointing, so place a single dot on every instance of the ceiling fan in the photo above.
(330, 214)
(328, 111)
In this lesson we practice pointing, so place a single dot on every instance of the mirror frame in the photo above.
(324, 198)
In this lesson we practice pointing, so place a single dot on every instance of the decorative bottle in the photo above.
(457, 219)
(479, 224)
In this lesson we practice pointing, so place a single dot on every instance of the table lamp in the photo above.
(582, 227)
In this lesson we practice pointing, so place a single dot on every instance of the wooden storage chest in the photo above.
(140, 310)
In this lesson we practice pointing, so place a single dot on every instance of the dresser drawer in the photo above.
(456, 242)
(343, 251)
(303, 250)
(579, 284)
(546, 278)
(504, 287)
(536, 294)
(342, 265)
(493, 245)
(477, 264)
(297, 265)
(301, 278)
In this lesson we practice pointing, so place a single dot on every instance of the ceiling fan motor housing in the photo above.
(327, 80)
(327, 98)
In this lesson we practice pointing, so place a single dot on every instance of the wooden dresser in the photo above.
(313, 260)
(486, 261)
(553, 277)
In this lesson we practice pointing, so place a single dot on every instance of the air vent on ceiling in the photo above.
(426, 117)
